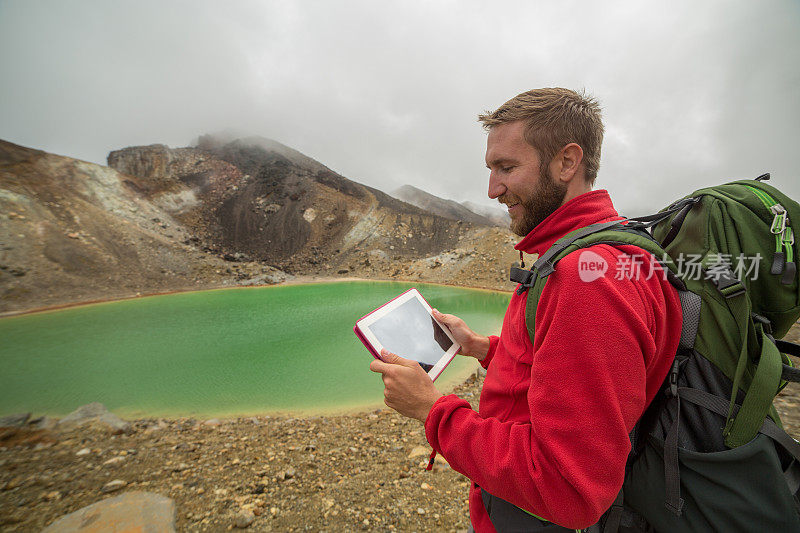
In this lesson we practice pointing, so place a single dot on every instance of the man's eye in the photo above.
(506, 169)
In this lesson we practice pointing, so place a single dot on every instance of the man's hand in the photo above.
(472, 344)
(407, 387)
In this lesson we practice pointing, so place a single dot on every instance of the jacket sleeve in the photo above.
(494, 340)
(592, 343)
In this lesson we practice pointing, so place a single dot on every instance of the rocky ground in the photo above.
(362, 471)
(354, 472)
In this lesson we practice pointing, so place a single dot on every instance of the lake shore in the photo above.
(297, 280)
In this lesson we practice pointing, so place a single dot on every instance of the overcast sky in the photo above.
(387, 93)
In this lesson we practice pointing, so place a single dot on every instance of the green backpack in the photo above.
(710, 453)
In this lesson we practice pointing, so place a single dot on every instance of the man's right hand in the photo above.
(472, 344)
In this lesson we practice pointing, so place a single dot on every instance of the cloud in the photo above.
(388, 93)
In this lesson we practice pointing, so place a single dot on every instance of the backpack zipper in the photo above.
(783, 262)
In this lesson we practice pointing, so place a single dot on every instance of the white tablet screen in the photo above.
(410, 332)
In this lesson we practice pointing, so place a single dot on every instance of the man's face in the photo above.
(516, 178)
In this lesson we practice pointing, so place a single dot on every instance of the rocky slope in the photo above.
(243, 212)
(72, 231)
(440, 206)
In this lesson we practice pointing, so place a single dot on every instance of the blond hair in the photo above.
(555, 117)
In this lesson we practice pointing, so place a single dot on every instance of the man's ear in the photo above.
(566, 165)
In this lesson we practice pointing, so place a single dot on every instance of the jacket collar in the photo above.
(583, 210)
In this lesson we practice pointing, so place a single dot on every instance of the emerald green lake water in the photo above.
(216, 353)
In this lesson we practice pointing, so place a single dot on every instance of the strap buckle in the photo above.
(520, 275)
(728, 284)
(525, 278)
(673, 378)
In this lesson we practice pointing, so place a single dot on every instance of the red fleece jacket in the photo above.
(551, 432)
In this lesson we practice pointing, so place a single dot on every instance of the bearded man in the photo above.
(550, 437)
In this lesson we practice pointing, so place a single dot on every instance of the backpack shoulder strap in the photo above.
(613, 233)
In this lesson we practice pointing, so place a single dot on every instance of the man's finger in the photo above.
(379, 366)
(394, 359)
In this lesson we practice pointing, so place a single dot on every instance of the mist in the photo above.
(388, 94)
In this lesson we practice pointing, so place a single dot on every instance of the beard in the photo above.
(548, 196)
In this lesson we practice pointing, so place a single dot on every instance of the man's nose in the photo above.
(496, 187)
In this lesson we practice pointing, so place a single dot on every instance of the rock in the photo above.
(181, 467)
(134, 511)
(420, 510)
(114, 461)
(290, 473)
(16, 421)
(244, 518)
(14, 483)
(82, 452)
(214, 422)
(96, 412)
(43, 422)
(112, 486)
(419, 451)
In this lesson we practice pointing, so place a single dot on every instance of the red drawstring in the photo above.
(521, 260)
(431, 460)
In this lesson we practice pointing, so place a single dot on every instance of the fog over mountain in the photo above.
(440, 206)
(693, 93)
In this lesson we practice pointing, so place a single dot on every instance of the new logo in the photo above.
(591, 266)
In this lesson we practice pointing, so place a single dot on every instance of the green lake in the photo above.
(288, 348)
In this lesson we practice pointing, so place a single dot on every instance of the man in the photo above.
(551, 432)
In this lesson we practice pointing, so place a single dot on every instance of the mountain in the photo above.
(246, 211)
(74, 231)
(269, 203)
(496, 214)
(440, 206)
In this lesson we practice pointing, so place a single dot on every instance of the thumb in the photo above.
(441, 317)
(394, 359)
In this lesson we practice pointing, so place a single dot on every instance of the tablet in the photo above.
(405, 326)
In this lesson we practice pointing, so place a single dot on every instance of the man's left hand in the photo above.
(407, 387)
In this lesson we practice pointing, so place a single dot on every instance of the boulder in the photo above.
(133, 511)
(96, 412)
(43, 422)
(244, 519)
